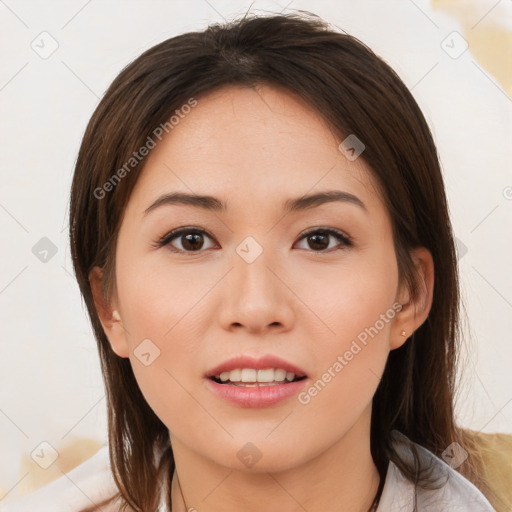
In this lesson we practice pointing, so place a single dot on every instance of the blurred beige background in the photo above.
(491, 43)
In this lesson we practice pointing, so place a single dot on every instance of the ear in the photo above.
(414, 310)
(108, 315)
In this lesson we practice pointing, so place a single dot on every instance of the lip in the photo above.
(257, 396)
(258, 363)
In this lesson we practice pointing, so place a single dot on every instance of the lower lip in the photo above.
(257, 396)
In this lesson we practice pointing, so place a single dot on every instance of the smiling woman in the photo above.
(273, 288)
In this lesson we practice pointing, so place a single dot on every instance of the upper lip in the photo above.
(258, 363)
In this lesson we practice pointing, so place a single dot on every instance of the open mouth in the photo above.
(249, 377)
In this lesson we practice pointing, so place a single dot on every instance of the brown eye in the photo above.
(192, 241)
(319, 239)
(188, 240)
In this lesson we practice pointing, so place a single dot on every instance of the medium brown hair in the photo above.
(356, 92)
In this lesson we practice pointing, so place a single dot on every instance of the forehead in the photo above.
(242, 144)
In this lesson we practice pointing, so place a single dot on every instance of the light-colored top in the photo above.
(92, 481)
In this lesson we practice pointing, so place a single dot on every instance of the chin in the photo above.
(265, 456)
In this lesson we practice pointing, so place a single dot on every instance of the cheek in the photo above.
(157, 297)
(350, 361)
(162, 316)
(352, 297)
(356, 304)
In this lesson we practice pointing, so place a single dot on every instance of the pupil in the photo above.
(191, 240)
(316, 238)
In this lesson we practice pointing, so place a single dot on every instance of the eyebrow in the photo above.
(291, 205)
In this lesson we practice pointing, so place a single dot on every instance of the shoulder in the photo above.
(83, 486)
(454, 493)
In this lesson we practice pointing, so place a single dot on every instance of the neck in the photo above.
(344, 475)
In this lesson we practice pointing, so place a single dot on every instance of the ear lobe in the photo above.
(109, 317)
(415, 309)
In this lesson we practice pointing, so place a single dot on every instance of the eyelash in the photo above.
(165, 240)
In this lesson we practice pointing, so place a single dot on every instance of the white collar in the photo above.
(455, 493)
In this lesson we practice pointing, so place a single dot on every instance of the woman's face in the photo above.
(254, 278)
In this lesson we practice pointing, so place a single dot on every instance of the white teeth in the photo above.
(279, 375)
(235, 375)
(266, 375)
(250, 375)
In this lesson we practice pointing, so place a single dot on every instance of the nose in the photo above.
(256, 297)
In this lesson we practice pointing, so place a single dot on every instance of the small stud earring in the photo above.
(115, 316)
(403, 333)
